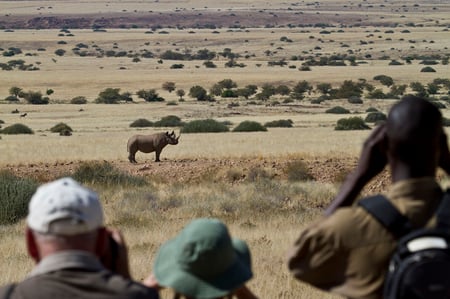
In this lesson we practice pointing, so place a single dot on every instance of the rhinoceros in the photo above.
(150, 143)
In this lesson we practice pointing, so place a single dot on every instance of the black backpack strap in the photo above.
(443, 211)
(387, 214)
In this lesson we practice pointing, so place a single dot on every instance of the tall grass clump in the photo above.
(281, 123)
(60, 127)
(15, 193)
(105, 174)
(298, 171)
(141, 123)
(204, 126)
(351, 123)
(17, 129)
(249, 126)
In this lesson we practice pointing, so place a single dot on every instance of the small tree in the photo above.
(324, 88)
(198, 93)
(227, 84)
(149, 95)
(267, 90)
(35, 98)
(181, 93)
(169, 86)
(216, 89)
(15, 91)
(349, 88)
(299, 89)
(245, 92)
(109, 96)
(283, 90)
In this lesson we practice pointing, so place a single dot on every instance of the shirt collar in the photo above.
(417, 188)
(65, 260)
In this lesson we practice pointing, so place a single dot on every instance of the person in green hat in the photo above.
(203, 262)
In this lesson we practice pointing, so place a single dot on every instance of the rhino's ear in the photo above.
(173, 133)
(167, 133)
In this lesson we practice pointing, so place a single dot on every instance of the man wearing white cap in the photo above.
(73, 250)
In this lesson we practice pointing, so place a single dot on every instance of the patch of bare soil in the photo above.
(231, 170)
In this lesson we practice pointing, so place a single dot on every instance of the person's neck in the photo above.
(400, 171)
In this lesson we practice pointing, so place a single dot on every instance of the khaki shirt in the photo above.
(348, 252)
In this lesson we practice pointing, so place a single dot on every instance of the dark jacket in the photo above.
(75, 274)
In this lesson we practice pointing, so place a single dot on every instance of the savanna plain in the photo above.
(264, 185)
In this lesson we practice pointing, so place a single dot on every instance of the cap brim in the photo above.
(170, 274)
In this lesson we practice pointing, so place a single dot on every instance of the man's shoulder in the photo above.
(84, 284)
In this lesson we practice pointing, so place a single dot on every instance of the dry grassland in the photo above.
(101, 132)
(72, 75)
(268, 213)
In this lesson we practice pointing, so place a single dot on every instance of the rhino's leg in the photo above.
(132, 156)
(157, 153)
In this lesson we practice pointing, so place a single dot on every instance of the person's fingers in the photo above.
(151, 282)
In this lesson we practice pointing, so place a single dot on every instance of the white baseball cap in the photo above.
(64, 207)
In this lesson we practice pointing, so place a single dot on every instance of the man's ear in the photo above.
(32, 247)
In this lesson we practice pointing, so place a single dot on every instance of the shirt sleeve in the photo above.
(316, 257)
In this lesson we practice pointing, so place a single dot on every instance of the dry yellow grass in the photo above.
(101, 132)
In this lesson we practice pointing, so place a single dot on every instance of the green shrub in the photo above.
(169, 121)
(249, 126)
(58, 128)
(204, 126)
(371, 109)
(351, 123)
(141, 123)
(105, 174)
(428, 69)
(15, 193)
(78, 100)
(355, 100)
(374, 117)
(281, 123)
(338, 110)
(298, 171)
(17, 129)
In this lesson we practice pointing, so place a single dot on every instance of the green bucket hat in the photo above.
(202, 261)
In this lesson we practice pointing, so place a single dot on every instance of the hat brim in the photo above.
(170, 274)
